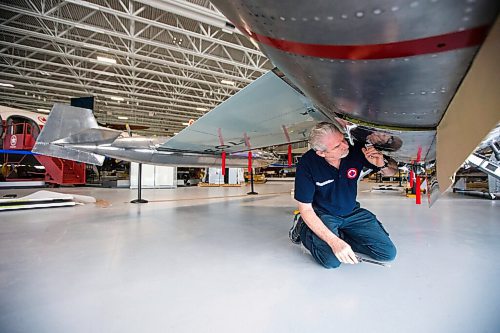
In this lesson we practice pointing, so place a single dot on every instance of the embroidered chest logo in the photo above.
(352, 173)
(326, 182)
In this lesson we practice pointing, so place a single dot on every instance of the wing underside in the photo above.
(398, 71)
(267, 112)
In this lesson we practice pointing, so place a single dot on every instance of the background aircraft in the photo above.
(72, 133)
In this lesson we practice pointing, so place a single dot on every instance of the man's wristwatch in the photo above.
(386, 164)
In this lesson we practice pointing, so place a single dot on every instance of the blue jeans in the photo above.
(360, 229)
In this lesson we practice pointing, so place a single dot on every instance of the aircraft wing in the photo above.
(267, 112)
(425, 72)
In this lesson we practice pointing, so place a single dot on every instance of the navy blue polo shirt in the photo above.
(330, 190)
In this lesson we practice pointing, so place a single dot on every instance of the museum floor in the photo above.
(217, 260)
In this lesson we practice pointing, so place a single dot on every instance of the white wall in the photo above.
(235, 176)
(153, 176)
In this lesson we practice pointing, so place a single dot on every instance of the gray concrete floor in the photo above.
(187, 263)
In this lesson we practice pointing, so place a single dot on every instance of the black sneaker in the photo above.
(294, 233)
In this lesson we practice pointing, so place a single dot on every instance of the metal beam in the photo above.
(164, 26)
(108, 32)
(154, 92)
(192, 11)
(126, 67)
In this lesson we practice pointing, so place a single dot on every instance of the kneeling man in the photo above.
(332, 225)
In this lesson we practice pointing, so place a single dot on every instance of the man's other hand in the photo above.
(343, 252)
(373, 156)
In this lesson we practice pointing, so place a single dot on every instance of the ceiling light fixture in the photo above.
(115, 98)
(43, 110)
(106, 60)
(107, 82)
(231, 83)
(185, 124)
(122, 118)
(201, 109)
(6, 85)
(229, 28)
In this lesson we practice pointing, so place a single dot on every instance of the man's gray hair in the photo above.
(318, 132)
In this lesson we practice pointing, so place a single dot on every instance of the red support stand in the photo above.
(249, 161)
(289, 155)
(417, 192)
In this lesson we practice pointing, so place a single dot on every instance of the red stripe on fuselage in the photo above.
(408, 48)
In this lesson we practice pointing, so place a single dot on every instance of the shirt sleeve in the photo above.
(304, 184)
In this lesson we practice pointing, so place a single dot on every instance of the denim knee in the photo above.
(391, 255)
(326, 260)
(324, 256)
(388, 253)
(331, 264)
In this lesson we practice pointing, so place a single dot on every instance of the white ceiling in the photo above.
(171, 57)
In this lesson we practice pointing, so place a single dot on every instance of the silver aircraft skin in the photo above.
(73, 133)
(384, 71)
(242, 123)
(390, 67)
